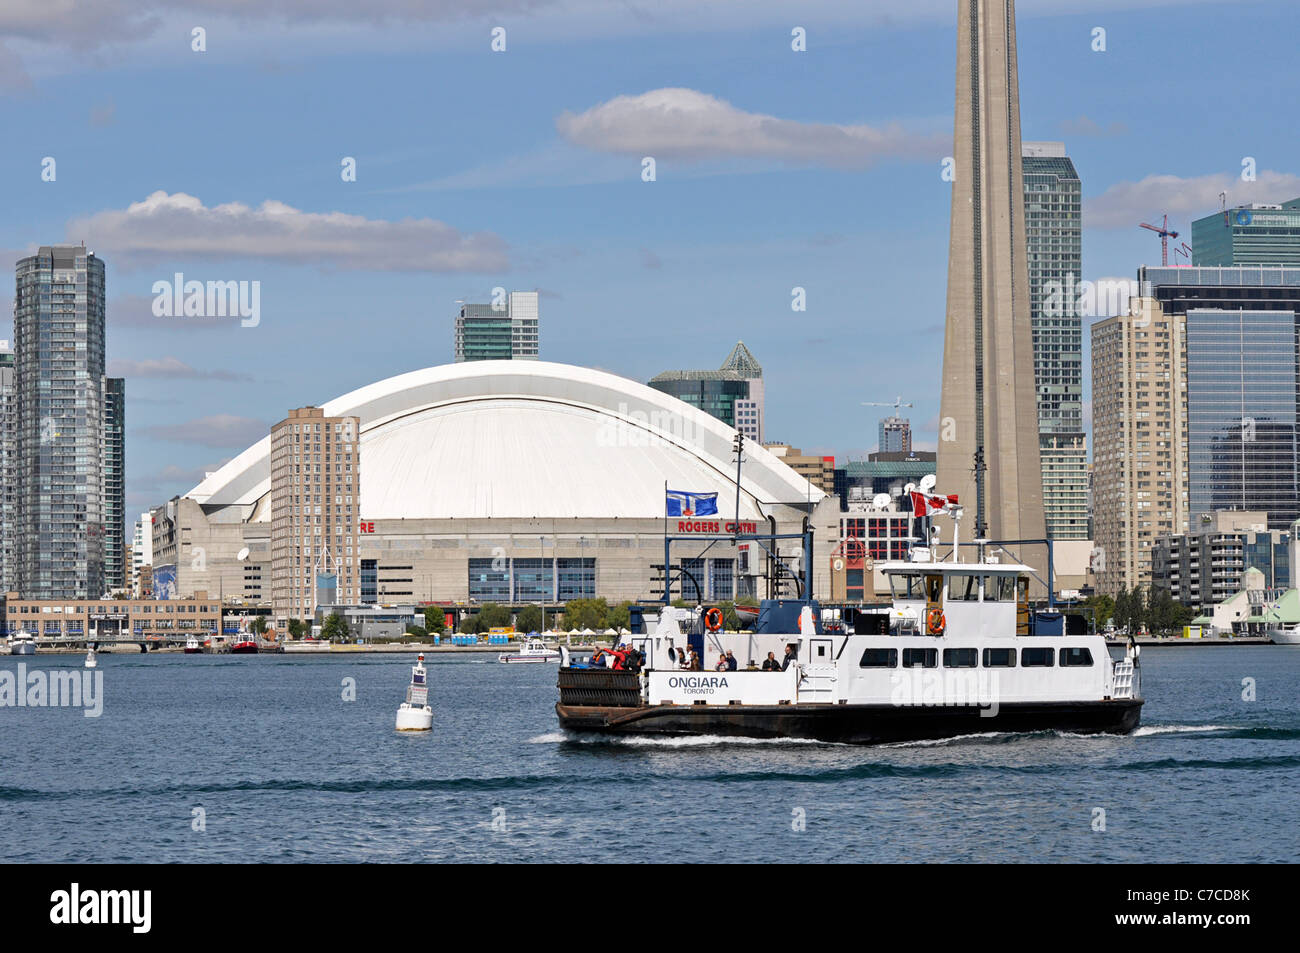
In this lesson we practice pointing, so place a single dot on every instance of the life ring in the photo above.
(935, 623)
(713, 618)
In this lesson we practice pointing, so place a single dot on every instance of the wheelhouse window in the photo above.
(963, 588)
(920, 658)
(879, 658)
(905, 585)
(1080, 657)
(960, 658)
(1036, 658)
(999, 588)
(999, 658)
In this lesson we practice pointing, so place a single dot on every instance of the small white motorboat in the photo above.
(91, 660)
(22, 643)
(415, 713)
(533, 650)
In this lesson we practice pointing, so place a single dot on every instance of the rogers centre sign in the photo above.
(715, 526)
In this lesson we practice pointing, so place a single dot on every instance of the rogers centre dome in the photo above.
(555, 472)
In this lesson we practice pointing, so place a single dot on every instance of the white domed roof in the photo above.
(527, 439)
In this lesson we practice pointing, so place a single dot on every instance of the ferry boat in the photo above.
(414, 714)
(243, 646)
(959, 652)
(193, 646)
(533, 650)
(22, 643)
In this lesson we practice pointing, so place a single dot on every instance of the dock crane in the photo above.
(1165, 234)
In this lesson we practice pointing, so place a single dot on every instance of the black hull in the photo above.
(852, 724)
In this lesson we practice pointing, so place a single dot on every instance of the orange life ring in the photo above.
(713, 618)
(935, 623)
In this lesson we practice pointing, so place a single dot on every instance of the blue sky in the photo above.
(522, 169)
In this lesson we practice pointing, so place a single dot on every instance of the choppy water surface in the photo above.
(283, 768)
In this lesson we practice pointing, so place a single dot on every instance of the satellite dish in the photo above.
(242, 554)
(927, 483)
(881, 501)
(909, 489)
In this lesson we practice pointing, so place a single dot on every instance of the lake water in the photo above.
(265, 752)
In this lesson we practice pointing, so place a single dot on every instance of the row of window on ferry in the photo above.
(1037, 657)
(962, 587)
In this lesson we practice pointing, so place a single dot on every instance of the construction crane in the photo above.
(897, 403)
(1185, 250)
(1165, 234)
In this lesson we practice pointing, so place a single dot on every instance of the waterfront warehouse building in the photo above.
(515, 482)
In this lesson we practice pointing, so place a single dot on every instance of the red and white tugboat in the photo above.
(959, 652)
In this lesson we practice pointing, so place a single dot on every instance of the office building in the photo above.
(59, 344)
(1206, 565)
(315, 513)
(107, 618)
(895, 435)
(142, 556)
(1054, 232)
(115, 558)
(1248, 235)
(506, 329)
(8, 472)
(817, 470)
(733, 393)
(988, 447)
(860, 481)
(1194, 408)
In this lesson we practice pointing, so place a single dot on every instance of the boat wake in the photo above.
(672, 741)
(1145, 730)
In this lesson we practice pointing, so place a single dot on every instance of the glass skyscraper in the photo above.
(59, 346)
(1248, 235)
(115, 565)
(8, 476)
(734, 393)
(499, 332)
(1054, 235)
(1242, 388)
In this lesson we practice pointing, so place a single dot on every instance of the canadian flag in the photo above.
(923, 505)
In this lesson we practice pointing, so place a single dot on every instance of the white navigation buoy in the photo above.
(91, 661)
(415, 713)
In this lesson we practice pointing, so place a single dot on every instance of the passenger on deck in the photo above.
(696, 664)
(770, 664)
(732, 664)
(722, 664)
(683, 660)
(597, 658)
(620, 658)
(790, 656)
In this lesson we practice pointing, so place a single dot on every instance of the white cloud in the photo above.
(169, 368)
(1126, 204)
(679, 123)
(167, 228)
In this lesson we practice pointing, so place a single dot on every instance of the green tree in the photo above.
(418, 631)
(586, 614)
(529, 619)
(1140, 608)
(434, 619)
(468, 625)
(1103, 609)
(334, 629)
(620, 616)
(297, 629)
(258, 625)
